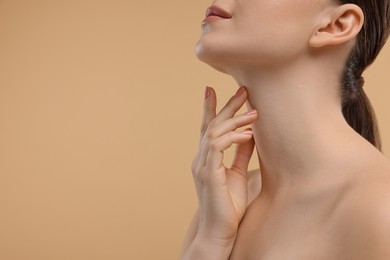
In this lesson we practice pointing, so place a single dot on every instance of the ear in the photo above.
(342, 24)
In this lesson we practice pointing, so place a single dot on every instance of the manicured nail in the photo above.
(247, 132)
(240, 91)
(251, 112)
(206, 93)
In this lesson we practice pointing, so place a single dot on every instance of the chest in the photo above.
(289, 233)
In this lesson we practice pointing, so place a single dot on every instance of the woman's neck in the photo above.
(301, 135)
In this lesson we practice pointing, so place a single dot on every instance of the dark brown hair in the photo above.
(356, 106)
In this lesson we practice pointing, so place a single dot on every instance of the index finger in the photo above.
(209, 110)
(232, 106)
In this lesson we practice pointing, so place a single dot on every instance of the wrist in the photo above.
(207, 247)
(216, 241)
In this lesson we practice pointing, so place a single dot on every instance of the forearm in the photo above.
(205, 248)
(191, 233)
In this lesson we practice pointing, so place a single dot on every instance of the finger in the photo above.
(209, 107)
(228, 111)
(214, 159)
(233, 123)
(232, 106)
(242, 157)
(225, 127)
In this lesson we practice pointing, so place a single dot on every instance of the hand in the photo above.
(222, 192)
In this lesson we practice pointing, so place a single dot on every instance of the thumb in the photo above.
(242, 156)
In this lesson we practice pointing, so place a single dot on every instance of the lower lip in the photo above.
(212, 18)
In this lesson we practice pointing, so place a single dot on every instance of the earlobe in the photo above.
(342, 25)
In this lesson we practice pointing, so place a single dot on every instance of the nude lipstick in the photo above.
(214, 13)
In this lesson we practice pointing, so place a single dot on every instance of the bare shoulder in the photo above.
(367, 217)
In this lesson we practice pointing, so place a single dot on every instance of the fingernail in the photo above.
(240, 91)
(206, 93)
(251, 112)
(247, 132)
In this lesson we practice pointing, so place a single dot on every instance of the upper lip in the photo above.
(217, 11)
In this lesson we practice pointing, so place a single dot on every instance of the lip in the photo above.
(214, 13)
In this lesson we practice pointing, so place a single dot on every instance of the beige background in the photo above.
(100, 108)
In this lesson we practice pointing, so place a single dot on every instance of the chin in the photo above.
(211, 56)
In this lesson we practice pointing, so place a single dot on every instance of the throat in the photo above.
(299, 146)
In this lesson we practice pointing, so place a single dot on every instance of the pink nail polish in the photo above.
(240, 91)
(247, 132)
(251, 112)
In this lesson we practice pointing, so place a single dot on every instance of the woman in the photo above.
(323, 191)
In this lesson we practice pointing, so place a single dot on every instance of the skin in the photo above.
(323, 191)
